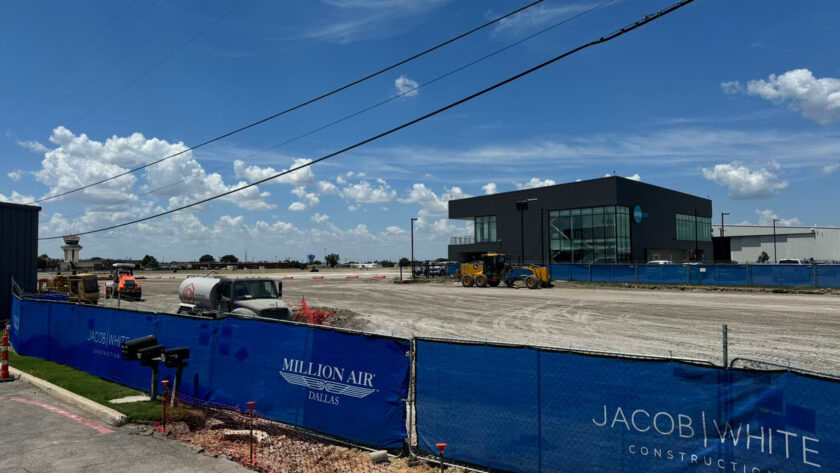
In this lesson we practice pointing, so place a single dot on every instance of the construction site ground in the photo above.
(798, 329)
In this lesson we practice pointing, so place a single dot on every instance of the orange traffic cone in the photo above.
(4, 358)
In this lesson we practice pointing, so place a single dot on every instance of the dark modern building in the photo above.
(607, 220)
(18, 251)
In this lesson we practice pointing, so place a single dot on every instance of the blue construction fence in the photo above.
(772, 275)
(349, 385)
(533, 410)
(505, 408)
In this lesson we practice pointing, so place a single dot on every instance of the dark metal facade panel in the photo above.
(656, 231)
(18, 251)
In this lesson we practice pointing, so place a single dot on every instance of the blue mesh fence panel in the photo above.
(796, 275)
(650, 273)
(599, 414)
(674, 274)
(579, 272)
(624, 273)
(343, 384)
(701, 274)
(451, 269)
(561, 272)
(765, 275)
(732, 275)
(488, 416)
(602, 273)
(828, 275)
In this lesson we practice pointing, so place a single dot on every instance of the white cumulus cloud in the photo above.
(818, 99)
(365, 193)
(830, 168)
(406, 86)
(744, 183)
(319, 218)
(490, 188)
(17, 198)
(766, 216)
(301, 177)
(33, 146)
(535, 182)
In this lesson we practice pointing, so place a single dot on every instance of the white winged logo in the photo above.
(317, 384)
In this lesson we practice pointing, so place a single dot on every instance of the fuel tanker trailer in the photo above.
(219, 296)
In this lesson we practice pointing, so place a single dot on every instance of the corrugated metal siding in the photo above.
(822, 245)
(18, 251)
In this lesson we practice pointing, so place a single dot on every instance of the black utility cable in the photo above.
(364, 110)
(156, 65)
(647, 19)
(54, 74)
(301, 105)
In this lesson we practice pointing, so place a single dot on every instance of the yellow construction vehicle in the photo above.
(495, 268)
(80, 288)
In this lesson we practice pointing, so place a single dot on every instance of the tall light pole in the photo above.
(522, 206)
(695, 235)
(721, 222)
(412, 247)
(775, 257)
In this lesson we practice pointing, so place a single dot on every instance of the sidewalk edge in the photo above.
(107, 414)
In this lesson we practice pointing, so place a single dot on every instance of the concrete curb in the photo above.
(107, 414)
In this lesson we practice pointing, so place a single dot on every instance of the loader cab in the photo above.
(494, 264)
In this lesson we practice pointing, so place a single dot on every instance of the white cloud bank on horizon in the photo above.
(766, 216)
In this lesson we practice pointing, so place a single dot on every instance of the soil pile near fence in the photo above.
(225, 431)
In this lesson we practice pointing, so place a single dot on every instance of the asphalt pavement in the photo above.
(39, 433)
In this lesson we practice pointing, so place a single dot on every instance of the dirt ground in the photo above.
(799, 330)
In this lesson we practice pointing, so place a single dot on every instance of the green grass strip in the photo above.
(88, 386)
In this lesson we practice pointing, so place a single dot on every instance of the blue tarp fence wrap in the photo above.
(531, 411)
(519, 409)
(349, 385)
(717, 275)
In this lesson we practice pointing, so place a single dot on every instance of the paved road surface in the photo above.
(42, 434)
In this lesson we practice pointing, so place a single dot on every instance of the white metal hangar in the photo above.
(746, 242)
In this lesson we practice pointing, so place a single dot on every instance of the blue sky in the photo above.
(737, 101)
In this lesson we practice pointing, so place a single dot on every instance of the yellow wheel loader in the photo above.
(495, 268)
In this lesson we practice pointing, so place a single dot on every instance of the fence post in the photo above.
(725, 346)
(251, 415)
(164, 403)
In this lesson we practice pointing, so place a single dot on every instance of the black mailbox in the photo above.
(131, 347)
(149, 355)
(175, 357)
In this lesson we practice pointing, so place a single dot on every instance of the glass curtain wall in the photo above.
(686, 228)
(485, 229)
(591, 235)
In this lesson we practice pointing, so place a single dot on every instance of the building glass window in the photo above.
(690, 228)
(590, 235)
(485, 229)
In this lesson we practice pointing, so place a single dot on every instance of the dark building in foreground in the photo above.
(607, 220)
(18, 251)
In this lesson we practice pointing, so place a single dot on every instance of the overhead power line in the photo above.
(157, 64)
(70, 58)
(291, 109)
(366, 109)
(603, 39)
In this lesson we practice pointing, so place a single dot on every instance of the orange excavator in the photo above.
(123, 283)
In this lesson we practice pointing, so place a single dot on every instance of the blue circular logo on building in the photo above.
(638, 215)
